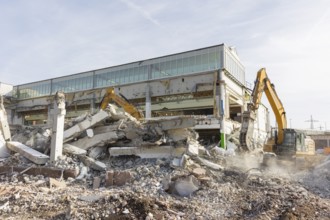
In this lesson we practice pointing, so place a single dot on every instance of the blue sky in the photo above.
(44, 39)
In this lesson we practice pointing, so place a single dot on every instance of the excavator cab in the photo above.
(294, 142)
(288, 147)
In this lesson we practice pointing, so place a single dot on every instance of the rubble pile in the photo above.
(317, 180)
(115, 167)
(155, 190)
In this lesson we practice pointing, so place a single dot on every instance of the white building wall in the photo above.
(5, 88)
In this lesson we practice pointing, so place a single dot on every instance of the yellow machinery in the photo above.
(110, 95)
(284, 141)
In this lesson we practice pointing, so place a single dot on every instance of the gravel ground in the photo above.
(236, 192)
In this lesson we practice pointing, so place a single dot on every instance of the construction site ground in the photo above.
(170, 174)
(242, 190)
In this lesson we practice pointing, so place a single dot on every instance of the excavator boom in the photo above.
(262, 85)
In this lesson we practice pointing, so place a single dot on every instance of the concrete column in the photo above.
(148, 102)
(222, 109)
(92, 105)
(216, 92)
(58, 126)
(49, 115)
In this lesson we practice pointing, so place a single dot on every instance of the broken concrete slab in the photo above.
(96, 182)
(71, 149)
(117, 178)
(55, 183)
(77, 129)
(148, 152)
(198, 172)
(192, 148)
(90, 198)
(45, 171)
(94, 164)
(174, 122)
(100, 139)
(97, 152)
(106, 129)
(27, 152)
(83, 173)
(209, 164)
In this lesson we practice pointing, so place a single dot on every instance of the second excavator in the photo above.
(121, 100)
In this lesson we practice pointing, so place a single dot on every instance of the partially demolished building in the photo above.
(208, 82)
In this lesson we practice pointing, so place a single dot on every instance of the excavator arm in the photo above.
(110, 95)
(262, 84)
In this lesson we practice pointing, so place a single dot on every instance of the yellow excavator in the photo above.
(110, 95)
(284, 142)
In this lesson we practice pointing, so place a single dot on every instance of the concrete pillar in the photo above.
(4, 126)
(49, 115)
(222, 108)
(148, 102)
(92, 105)
(58, 126)
(216, 92)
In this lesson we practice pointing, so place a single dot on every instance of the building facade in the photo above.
(208, 81)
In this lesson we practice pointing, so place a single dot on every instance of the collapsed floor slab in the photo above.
(175, 122)
(99, 139)
(148, 152)
(77, 129)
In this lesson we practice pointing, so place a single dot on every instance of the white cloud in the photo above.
(141, 10)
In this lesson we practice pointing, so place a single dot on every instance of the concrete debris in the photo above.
(143, 169)
(90, 133)
(97, 140)
(57, 184)
(98, 152)
(183, 186)
(209, 164)
(90, 198)
(117, 178)
(198, 172)
(44, 171)
(79, 128)
(192, 147)
(70, 149)
(83, 173)
(96, 182)
(93, 164)
(147, 152)
(28, 152)
(186, 186)
(36, 138)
